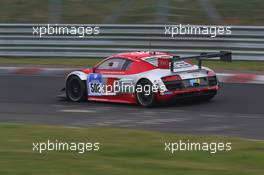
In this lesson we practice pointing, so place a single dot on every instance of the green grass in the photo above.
(29, 11)
(235, 65)
(122, 151)
(86, 62)
(187, 12)
(38, 11)
(50, 61)
(243, 12)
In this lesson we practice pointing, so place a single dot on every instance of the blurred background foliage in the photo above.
(229, 12)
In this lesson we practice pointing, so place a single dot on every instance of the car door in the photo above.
(111, 71)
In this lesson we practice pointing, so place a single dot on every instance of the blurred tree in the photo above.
(55, 11)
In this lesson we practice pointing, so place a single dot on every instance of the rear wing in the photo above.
(224, 56)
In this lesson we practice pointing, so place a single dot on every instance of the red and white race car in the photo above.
(144, 77)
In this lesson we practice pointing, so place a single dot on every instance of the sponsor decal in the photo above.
(194, 82)
(181, 64)
(94, 84)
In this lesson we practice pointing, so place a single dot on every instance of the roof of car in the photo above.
(139, 54)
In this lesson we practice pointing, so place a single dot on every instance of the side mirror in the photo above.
(93, 69)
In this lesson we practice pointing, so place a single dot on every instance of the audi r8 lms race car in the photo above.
(144, 77)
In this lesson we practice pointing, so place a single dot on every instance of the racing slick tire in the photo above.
(76, 89)
(146, 97)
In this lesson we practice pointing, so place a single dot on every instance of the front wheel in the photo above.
(75, 89)
(144, 93)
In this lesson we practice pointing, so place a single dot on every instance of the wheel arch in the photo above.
(82, 85)
(80, 74)
(143, 78)
(147, 103)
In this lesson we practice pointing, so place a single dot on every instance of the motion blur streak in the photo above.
(237, 110)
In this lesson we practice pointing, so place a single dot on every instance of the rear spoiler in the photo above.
(224, 56)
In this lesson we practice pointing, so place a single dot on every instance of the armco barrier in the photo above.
(246, 42)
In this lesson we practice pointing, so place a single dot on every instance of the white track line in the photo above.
(77, 111)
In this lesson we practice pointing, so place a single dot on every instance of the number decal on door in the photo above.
(94, 84)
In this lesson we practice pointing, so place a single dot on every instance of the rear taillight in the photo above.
(212, 81)
(171, 78)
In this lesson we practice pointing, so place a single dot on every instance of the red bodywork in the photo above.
(139, 66)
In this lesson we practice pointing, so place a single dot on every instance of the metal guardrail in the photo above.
(246, 42)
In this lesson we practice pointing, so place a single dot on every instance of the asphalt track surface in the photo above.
(237, 110)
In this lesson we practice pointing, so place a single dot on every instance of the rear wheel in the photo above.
(75, 89)
(145, 96)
